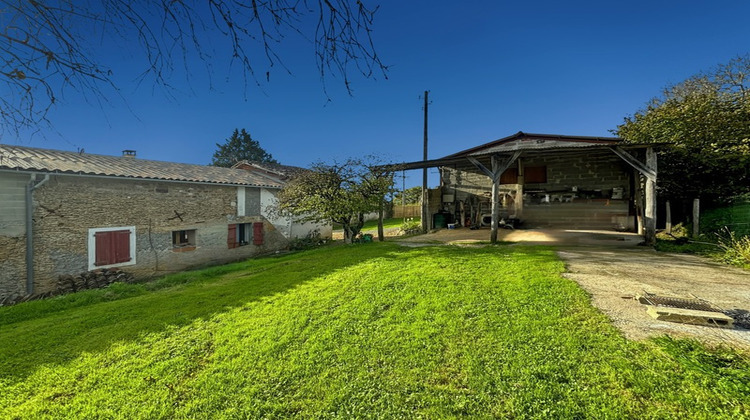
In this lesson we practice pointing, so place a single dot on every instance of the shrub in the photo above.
(736, 248)
(311, 240)
(679, 234)
(411, 227)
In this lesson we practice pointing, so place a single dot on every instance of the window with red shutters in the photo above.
(240, 234)
(112, 247)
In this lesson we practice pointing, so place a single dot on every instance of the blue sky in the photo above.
(493, 68)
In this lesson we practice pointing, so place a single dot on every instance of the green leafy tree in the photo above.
(705, 120)
(337, 193)
(411, 195)
(240, 146)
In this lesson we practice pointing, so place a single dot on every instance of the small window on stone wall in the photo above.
(183, 240)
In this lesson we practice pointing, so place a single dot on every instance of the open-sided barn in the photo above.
(545, 180)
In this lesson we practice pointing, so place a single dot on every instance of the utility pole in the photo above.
(403, 195)
(425, 202)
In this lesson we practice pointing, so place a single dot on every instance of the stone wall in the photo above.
(12, 234)
(66, 207)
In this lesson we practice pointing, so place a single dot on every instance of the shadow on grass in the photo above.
(58, 335)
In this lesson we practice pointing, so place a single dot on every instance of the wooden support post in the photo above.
(495, 209)
(647, 220)
(498, 167)
(495, 199)
(650, 207)
(696, 217)
(519, 190)
(639, 227)
(669, 217)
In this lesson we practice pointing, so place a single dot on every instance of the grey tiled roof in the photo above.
(57, 161)
(282, 172)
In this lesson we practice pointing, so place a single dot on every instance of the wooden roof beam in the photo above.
(498, 166)
(648, 172)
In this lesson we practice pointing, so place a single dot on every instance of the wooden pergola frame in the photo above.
(499, 162)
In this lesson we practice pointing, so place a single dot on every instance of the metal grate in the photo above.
(675, 302)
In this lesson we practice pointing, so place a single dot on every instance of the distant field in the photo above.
(387, 224)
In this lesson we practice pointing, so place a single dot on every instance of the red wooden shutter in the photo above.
(121, 244)
(258, 233)
(232, 236)
(102, 248)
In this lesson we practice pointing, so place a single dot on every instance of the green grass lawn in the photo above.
(367, 331)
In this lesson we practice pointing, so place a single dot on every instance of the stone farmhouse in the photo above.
(65, 213)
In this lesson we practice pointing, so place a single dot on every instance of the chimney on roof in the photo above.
(128, 153)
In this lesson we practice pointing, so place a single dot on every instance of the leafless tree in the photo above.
(48, 47)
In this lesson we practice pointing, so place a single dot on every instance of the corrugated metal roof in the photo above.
(47, 160)
(531, 144)
(530, 141)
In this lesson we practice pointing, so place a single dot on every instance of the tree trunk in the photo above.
(348, 233)
(381, 234)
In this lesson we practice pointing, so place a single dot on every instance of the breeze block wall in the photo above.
(594, 178)
(66, 207)
(563, 173)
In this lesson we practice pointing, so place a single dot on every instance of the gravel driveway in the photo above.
(610, 274)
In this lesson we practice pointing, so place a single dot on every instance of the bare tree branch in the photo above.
(48, 47)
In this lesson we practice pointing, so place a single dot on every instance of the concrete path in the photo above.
(613, 275)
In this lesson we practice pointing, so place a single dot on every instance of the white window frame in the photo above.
(92, 247)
